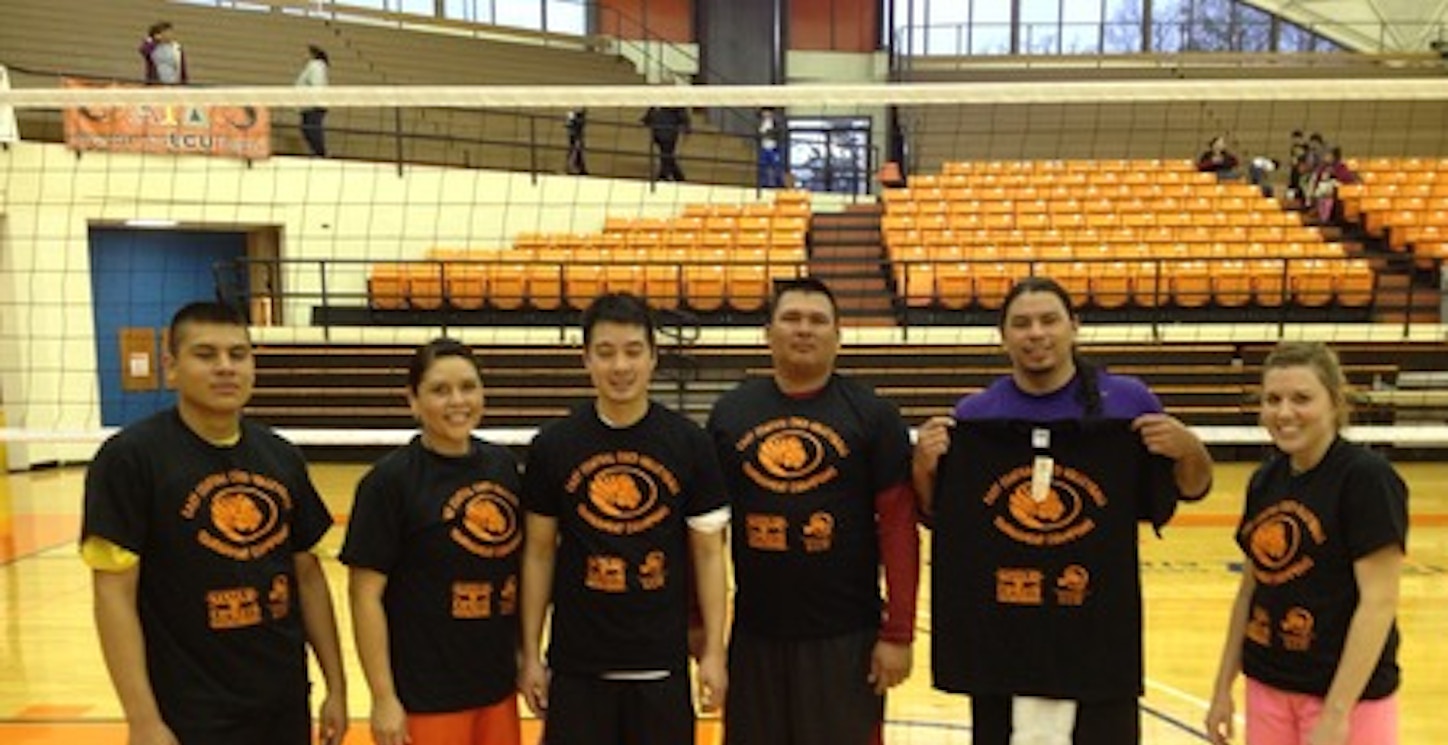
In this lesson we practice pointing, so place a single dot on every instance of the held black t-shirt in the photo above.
(447, 532)
(1038, 592)
(216, 529)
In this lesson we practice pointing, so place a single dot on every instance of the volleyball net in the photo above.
(462, 210)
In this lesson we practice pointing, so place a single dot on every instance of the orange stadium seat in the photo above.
(916, 283)
(704, 286)
(425, 286)
(748, 286)
(1190, 283)
(1231, 282)
(954, 288)
(544, 286)
(1149, 283)
(581, 283)
(387, 287)
(624, 278)
(508, 285)
(994, 281)
(1111, 284)
(467, 285)
(662, 283)
(1312, 282)
(1355, 282)
(1269, 282)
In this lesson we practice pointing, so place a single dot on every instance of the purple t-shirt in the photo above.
(1122, 397)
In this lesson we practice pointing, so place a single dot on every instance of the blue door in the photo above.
(139, 278)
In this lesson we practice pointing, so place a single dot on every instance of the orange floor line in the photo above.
(23, 535)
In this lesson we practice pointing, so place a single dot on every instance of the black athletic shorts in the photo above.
(291, 725)
(586, 710)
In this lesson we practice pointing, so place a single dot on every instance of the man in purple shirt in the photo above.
(1050, 382)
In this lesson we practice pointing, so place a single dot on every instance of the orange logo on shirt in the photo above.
(651, 574)
(788, 454)
(1278, 538)
(819, 532)
(1259, 626)
(233, 608)
(791, 455)
(1072, 585)
(623, 492)
(1060, 517)
(484, 516)
(241, 515)
(472, 599)
(767, 532)
(508, 596)
(619, 493)
(1297, 630)
(607, 574)
(1018, 586)
(279, 600)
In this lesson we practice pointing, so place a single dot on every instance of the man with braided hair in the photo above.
(1069, 413)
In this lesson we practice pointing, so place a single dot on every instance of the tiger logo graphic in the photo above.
(1041, 515)
(783, 454)
(486, 519)
(615, 493)
(238, 517)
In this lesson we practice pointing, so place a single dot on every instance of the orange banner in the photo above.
(225, 131)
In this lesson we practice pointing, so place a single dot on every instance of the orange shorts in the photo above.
(488, 725)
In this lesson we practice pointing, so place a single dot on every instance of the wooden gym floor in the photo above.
(54, 689)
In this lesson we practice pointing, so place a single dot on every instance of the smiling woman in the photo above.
(1314, 626)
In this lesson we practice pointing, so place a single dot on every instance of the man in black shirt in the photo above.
(621, 498)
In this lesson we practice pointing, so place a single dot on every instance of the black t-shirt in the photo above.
(621, 497)
(446, 531)
(217, 529)
(1042, 596)
(803, 474)
(1301, 534)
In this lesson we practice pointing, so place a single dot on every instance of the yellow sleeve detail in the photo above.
(101, 554)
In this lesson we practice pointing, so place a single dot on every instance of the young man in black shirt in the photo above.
(198, 527)
(621, 498)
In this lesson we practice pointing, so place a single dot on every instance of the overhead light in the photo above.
(147, 222)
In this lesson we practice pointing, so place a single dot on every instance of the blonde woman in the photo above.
(1324, 531)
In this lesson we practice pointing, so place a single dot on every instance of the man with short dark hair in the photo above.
(818, 468)
(198, 527)
(621, 497)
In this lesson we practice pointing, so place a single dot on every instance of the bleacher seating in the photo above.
(1204, 383)
(710, 258)
(1152, 233)
(1405, 201)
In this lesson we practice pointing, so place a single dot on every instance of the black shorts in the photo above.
(586, 710)
(1097, 722)
(804, 692)
(291, 725)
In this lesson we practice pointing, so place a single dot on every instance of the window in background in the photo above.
(990, 28)
(1121, 28)
(1081, 26)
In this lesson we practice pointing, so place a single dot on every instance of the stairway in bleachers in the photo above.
(846, 252)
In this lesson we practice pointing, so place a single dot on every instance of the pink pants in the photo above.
(1277, 717)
